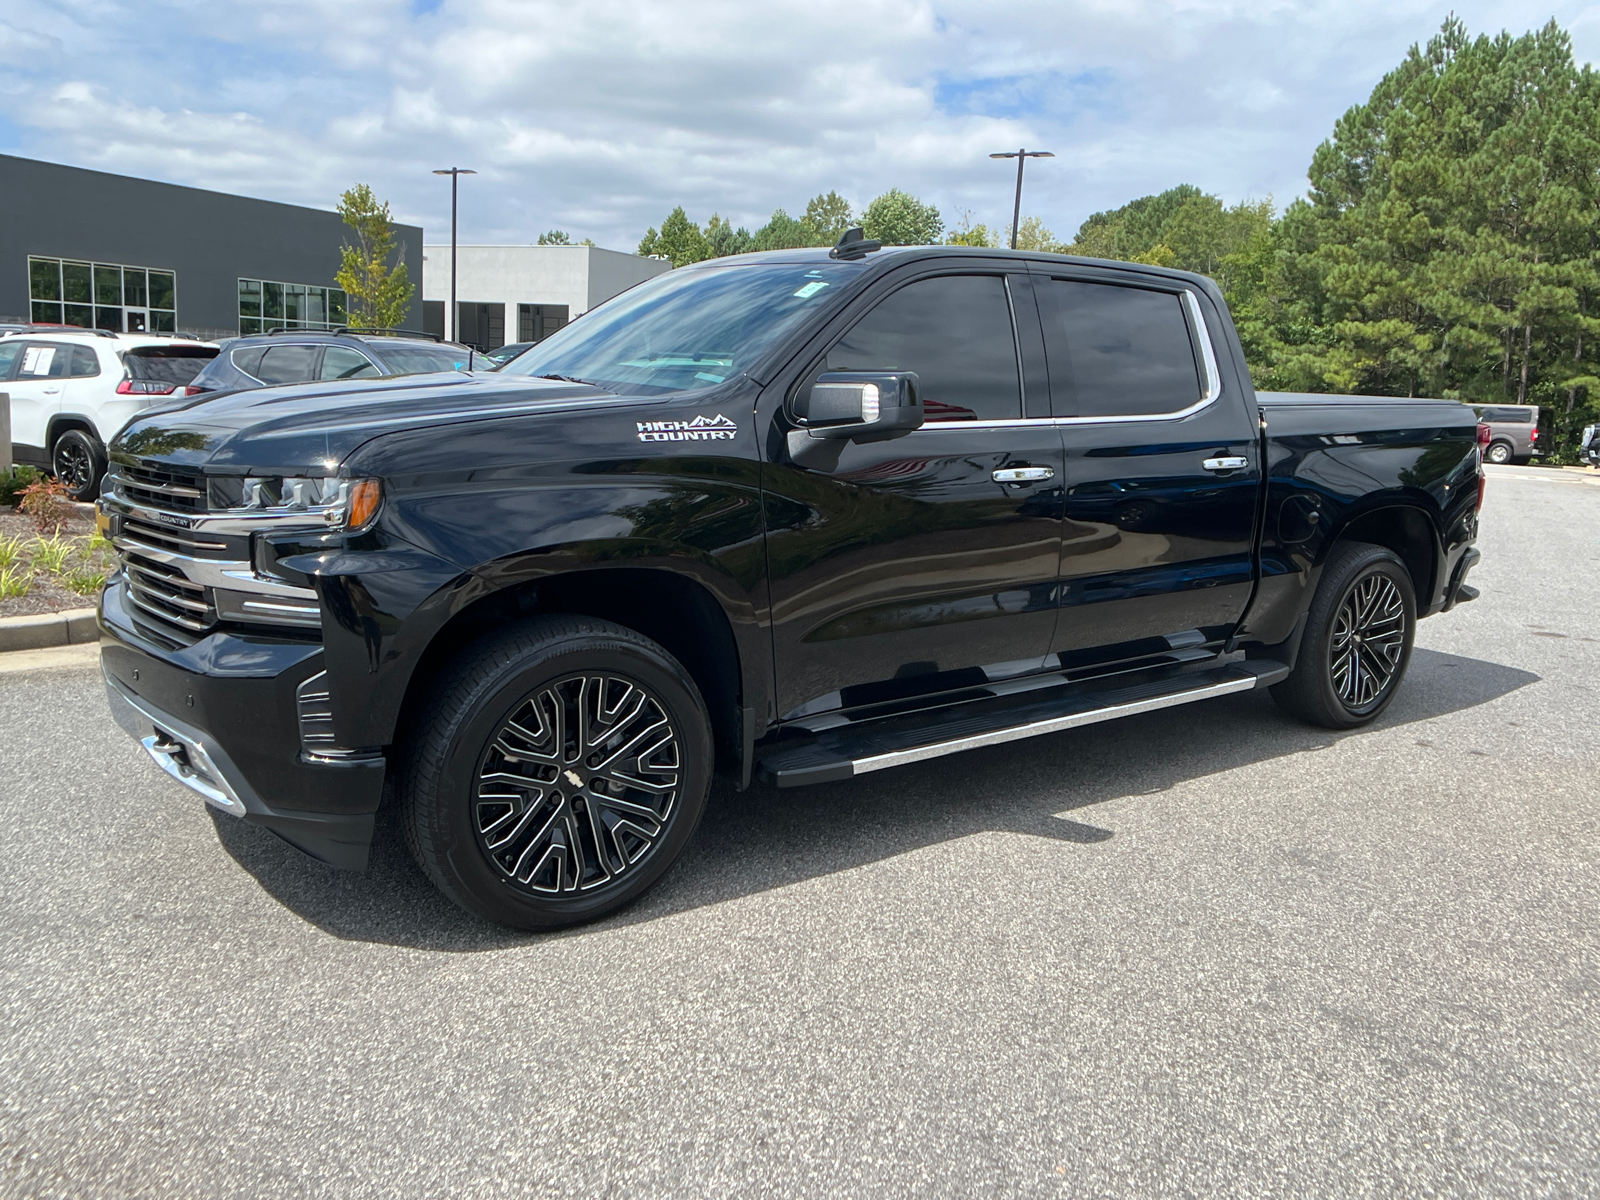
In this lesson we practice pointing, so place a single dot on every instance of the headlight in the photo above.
(338, 503)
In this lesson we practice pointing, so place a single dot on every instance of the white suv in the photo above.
(71, 390)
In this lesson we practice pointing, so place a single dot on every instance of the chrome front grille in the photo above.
(186, 569)
(166, 592)
(171, 488)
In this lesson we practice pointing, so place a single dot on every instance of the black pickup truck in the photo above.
(802, 515)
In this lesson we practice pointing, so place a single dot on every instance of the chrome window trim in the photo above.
(1208, 365)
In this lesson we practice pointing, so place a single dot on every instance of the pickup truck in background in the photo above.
(805, 514)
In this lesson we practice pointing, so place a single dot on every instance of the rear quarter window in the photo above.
(168, 364)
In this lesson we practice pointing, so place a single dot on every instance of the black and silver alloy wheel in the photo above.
(1369, 639)
(1357, 640)
(558, 770)
(76, 461)
(578, 784)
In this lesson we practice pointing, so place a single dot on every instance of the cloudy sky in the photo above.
(597, 116)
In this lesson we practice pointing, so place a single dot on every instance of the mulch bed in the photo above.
(21, 542)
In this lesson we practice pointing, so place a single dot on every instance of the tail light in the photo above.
(1483, 434)
(145, 387)
(1533, 437)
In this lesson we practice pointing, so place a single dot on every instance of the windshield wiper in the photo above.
(571, 379)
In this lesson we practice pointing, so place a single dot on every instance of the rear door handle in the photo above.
(1023, 474)
(1227, 462)
(51, 391)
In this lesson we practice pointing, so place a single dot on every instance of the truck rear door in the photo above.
(1162, 477)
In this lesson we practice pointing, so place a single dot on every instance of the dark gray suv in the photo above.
(304, 355)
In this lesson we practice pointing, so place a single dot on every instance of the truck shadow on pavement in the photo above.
(762, 839)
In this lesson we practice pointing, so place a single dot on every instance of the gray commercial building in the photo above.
(89, 248)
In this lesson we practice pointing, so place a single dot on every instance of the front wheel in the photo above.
(560, 769)
(1357, 642)
(78, 461)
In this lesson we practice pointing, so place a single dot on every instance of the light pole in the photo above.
(455, 174)
(1021, 156)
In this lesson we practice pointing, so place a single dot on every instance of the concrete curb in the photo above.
(74, 627)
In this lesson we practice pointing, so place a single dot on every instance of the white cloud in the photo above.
(599, 116)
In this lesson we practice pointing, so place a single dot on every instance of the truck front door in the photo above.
(1162, 477)
(928, 562)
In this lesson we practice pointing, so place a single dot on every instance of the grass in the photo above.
(15, 581)
(73, 563)
(51, 554)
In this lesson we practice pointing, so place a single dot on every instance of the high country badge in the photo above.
(701, 429)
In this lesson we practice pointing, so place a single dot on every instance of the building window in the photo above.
(535, 322)
(265, 305)
(62, 291)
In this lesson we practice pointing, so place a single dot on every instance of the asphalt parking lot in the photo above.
(1208, 952)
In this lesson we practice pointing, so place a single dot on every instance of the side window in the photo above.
(955, 332)
(41, 360)
(288, 364)
(341, 362)
(10, 352)
(84, 362)
(248, 360)
(1117, 351)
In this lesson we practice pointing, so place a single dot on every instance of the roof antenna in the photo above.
(854, 244)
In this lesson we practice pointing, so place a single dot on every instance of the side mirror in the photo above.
(859, 406)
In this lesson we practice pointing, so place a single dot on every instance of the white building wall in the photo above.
(579, 277)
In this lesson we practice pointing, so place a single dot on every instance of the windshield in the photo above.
(685, 329)
(420, 359)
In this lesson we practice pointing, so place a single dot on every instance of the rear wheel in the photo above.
(1358, 638)
(560, 770)
(1498, 452)
(78, 461)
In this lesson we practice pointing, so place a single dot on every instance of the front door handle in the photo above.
(1226, 462)
(51, 391)
(1023, 474)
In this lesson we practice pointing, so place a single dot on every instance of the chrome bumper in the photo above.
(183, 752)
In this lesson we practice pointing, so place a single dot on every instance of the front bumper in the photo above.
(237, 741)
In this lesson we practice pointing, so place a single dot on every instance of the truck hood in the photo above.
(311, 428)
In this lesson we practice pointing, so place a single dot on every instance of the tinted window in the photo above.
(954, 331)
(1117, 351)
(341, 362)
(423, 358)
(1510, 416)
(42, 360)
(287, 364)
(175, 364)
(84, 362)
(10, 351)
(248, 360)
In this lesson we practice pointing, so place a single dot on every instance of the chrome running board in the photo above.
(892, 742)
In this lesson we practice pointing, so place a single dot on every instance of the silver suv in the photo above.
(1513, 431)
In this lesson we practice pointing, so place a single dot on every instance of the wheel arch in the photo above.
(61, 422)
(1409, 531)
(666, 605)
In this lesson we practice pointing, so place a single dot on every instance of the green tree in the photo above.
(783, 232)
(556, 237)
(828, 217)
(968, 234)
(898, 219)
(1032, 235)
(378, 293)
(680, 240)
(1449, 243)
(724, 239)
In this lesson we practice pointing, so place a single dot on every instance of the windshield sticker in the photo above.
(709, 378)
(701, 429)
(811, 289)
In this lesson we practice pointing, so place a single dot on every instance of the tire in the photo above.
(494, 807)
(1334, 683)
(1498, 452)
(79, 461)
